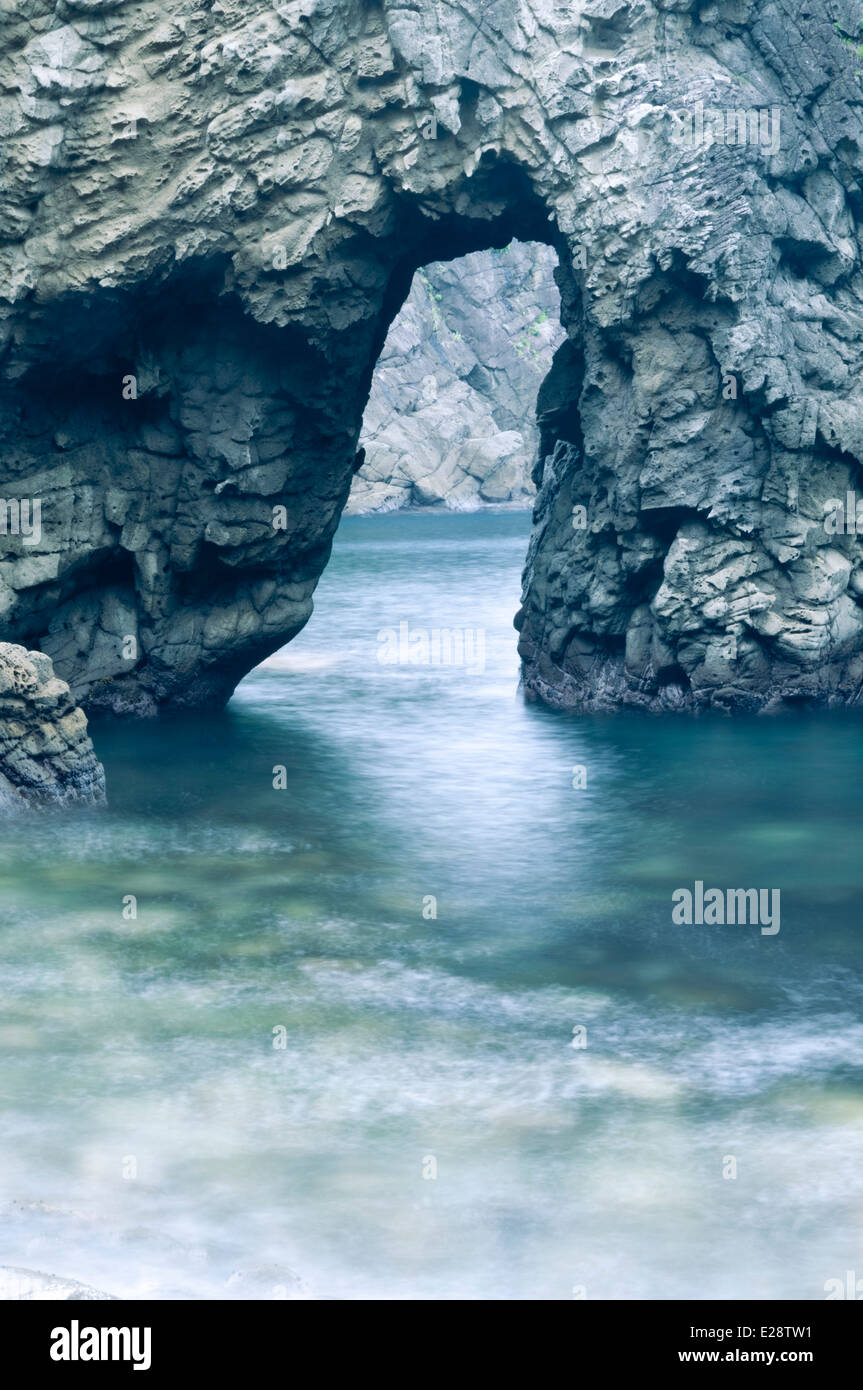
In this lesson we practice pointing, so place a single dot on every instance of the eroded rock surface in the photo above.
(45, 751)
(211, 215)
(451, 415)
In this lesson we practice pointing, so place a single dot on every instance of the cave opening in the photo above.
(219, 448)
(450, 454)
(450, 420)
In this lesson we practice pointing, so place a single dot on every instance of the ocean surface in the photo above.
(360, 989)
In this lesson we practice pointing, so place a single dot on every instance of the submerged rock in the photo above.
(267, 1281)
(451, 415)
(45, 752)
(33, 1285)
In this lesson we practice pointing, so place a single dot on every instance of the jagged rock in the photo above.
(45, 752)
(451, 415)
(211, 215)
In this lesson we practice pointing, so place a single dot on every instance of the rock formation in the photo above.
(451, 415)
(210, 216)
(45, 753)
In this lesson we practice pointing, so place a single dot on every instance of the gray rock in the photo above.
(211, 217)
(451, 415)
(46, 756)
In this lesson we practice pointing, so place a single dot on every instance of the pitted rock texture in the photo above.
(45, 752)
(451, 415)
(211, 215)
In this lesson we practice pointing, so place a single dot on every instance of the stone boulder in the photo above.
(46, 756)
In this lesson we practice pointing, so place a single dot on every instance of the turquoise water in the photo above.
(156, 1143)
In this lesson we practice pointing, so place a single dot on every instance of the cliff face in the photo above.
(211, 216)
(45, 753)
(451, 415)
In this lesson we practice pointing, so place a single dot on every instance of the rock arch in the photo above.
(209, 220)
